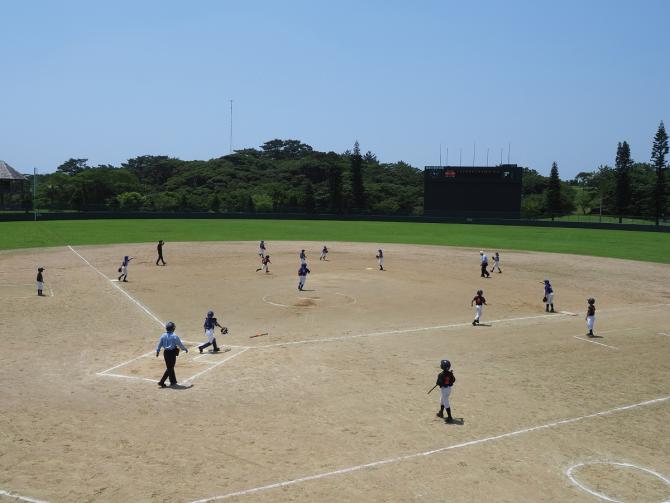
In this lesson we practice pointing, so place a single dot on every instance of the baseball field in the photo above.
(332, 404)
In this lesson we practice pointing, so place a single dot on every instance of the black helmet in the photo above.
(445, 364)
(210, 314)
(591, 300)
(170, 326)
(480, 292)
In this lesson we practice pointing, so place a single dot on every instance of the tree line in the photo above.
(290, 176)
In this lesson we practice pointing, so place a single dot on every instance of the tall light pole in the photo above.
(231, 126)
(35, 194)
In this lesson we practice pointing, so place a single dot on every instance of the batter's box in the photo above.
(190, 366)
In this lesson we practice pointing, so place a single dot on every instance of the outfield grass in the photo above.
(646, 246)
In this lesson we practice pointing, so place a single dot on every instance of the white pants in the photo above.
(209, 332)
(261, 252)
(266, 267)
(124, 270)
(444, 399)
(550, 298)
(40, 285)
(303, 260)
(590, 320)
(380, 261)
(495, 264)
(478, 312)
(323, 255)
(301, 281)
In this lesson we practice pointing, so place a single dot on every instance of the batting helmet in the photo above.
(170, 326)
(445, 364)
(210, 314)
(480, 292)
(591, 300)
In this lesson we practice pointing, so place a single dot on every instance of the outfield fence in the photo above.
(569, 221)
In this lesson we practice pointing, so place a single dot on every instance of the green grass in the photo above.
(646, 246)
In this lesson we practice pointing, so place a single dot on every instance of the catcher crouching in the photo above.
(210, 324)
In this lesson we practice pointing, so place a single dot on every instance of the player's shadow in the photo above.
(483, 325)
(457, 421)
(179, 387)
(307, 290)
(595, 336)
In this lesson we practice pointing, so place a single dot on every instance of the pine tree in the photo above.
(658, 152)
(623, 166)
(357, 186)
(554, 191)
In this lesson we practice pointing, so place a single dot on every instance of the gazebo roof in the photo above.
(9, 173)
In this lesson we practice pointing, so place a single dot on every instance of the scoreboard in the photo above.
(473, 191)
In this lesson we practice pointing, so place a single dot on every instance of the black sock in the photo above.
(449, 413)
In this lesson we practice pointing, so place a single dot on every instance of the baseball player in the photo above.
(479, 302)
(124, 268)
(40, 281)
(303, 258)
(302, 276)
(159, 249)
(170, 344)
(591, 315)
(484, 263)
(445, 380)
(261, 249)
(264, 264)
(548, 297)
(380, 259)
(496, 263)
(209, 325)
(324, 253)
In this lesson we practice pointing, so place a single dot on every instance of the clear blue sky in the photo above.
(561, 81)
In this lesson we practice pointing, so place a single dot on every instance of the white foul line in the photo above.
(429, 453)
(401, 331)
(216, 365)
(663, 333)
(594, 342)
(115, 285)
(19, 497)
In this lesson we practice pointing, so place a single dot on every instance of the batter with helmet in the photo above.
(170, 342)
(210, 323)
(445, 380)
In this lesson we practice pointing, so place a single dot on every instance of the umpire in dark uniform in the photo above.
(159, 249)
(170, 344)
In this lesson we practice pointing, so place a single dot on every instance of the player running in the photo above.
(479, 302)
(302, 276)
(265, 264)
(209, 325)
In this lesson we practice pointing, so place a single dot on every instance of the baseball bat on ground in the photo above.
(258, 335)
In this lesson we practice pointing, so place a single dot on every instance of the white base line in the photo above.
(663, 333)
(19, 497)
(136, 378)
(115, 285)
(403, 331)
(594, 342)
(429, 453)
(215, 365)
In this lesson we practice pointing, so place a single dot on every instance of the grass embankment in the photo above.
(634, 245)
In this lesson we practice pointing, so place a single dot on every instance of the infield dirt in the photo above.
(339, 381)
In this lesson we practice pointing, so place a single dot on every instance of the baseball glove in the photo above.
(224, 330)
(544, 299)
(377, 256)
(119, 269)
